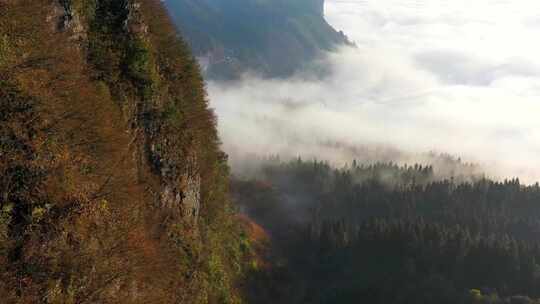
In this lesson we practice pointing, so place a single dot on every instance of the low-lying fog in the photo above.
(459, 77)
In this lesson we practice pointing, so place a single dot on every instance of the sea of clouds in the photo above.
(459, 77)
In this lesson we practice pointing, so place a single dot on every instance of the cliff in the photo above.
(112, 185)
(273, 38)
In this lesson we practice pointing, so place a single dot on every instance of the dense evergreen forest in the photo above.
(384, 233)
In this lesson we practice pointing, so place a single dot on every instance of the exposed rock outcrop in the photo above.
(181, 191)
(67, 19)
(180, 179)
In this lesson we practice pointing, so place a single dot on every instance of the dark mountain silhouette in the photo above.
(272, 37)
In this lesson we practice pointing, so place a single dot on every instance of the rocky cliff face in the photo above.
(113, 188)
(179, 176)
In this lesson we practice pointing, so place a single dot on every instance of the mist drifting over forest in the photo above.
(425, 76)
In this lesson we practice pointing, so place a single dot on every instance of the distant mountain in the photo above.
(272, 37)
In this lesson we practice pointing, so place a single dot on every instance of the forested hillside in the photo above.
(113, 188)
(271, 37)
(385, 233)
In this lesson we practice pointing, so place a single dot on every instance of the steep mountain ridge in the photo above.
(273, 38)
(113, 188)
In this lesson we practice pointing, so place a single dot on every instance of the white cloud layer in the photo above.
(460, 77)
